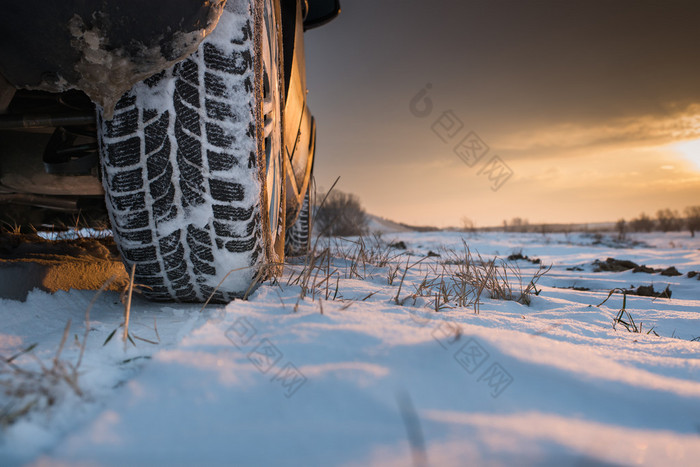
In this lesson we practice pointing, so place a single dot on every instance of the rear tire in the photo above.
(298, 236)
(192, 164)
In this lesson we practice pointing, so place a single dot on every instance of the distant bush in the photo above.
(517, 224)
(668, 220)
(692, 219)
(621, 227)
(341, 215)
(643, 223)
(468, 225)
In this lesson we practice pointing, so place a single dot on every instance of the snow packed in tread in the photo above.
(181, 173)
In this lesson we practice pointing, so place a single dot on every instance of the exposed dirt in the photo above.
(671, 272)
(521, 257)
(619, 265)
(28, 262)
(645, 269)
(613, 265)
(576, 288)
(648, 291)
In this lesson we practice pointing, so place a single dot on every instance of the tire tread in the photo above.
(181, 177)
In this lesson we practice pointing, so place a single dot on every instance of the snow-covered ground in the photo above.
(346, 376)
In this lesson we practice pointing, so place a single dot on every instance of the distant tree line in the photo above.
(666, 220)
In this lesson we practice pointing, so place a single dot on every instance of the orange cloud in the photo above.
(642, 131)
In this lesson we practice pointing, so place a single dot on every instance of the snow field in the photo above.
(284, 379)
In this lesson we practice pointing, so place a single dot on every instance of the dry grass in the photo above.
(36, 389)
(35, 385)
(11, 228)
(461, 280)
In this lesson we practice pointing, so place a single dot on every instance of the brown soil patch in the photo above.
(28, 262)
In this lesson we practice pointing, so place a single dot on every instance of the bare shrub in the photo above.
(341, 215)
(517, 224)
(621, 227)
(468, 225)
(668, 220)
(692, 219)
(643, 223)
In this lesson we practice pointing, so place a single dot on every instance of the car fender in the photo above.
(100, 47)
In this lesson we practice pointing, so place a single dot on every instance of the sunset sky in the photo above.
(594, 106)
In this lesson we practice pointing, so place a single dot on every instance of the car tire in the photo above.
(298, 236)
(192, 164)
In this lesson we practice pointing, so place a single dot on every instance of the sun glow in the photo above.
(690, 150)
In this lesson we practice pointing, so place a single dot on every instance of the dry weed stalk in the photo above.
(623, 316)
(127, 306)
(36, 389)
